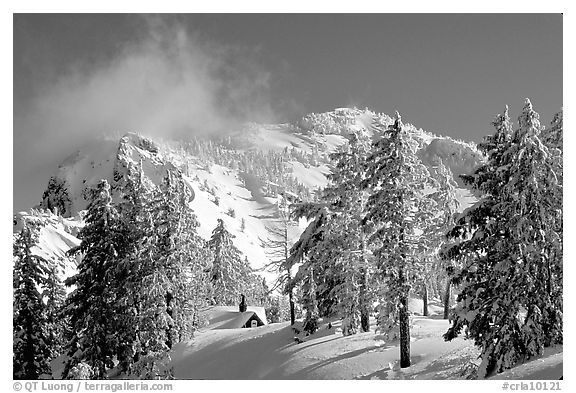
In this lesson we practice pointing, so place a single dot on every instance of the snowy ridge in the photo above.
(54, 240)
(246, 202)
(107, 159)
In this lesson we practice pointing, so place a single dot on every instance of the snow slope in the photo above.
(270, 352)
(218, 192)
(246, 203)
(54, 239)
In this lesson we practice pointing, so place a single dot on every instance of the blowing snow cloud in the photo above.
(166, 82)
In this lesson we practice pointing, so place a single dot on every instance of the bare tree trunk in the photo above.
(404, 323)
(425, 300)
(169, 311)
(447, 300)
(290, 295)
(364, 309)
(365, 320)
(364, 301)
(292, 311)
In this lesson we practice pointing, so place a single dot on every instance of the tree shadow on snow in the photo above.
(225, 359)
(387, 373)
(305, 344)
(264, 217)
(307, 372)
(444, 368)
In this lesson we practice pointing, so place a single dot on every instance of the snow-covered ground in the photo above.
(271, 352)
(247, 203)
(548, 366)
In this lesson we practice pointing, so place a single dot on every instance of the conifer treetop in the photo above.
(529, 121)
(398, 121)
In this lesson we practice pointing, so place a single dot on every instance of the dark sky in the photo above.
(79, 75)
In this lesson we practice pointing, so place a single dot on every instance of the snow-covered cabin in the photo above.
(229, 317)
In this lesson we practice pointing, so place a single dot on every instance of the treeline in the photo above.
(336, 122)
(144, 278)
(387, 228)
(271, 168)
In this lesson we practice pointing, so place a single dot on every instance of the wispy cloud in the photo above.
(167, 82)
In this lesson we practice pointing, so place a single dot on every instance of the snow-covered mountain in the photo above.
(238, 177)
(56, 236)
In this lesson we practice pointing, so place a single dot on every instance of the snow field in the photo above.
(270, 352)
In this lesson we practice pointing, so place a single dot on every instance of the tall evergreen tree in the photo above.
(136, 226)
(301, 253)
(170, 276)
(55, 296)
(553, 136)
(447, 205)
(33, 345)
(397, 211)
(256, 291)
(309, 301)
(346, 234)
(332, 250)
(510, 245)
(533, 197)
(56, 199)
(91, 306)
(228, 272)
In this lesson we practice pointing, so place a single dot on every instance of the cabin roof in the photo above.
(229, 317)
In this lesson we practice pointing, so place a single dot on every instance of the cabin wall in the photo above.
(249, 322)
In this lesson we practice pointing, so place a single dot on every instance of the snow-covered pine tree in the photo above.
(553, 138)
(91, 306)
(345, 234)
(300, 252)
(56, 199)
(33, 347)
(276, 311)
(332, 249)
(228, 272)
(553, 135)
(134, 262)
(171, 278)
(486, 181)
(55, 296)
(534, 196)
(510, 246)
(256, 290)
(482, 242)
(309, 301)
(179, 251)
(338, 263)
(397, 211)
(447, 205)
